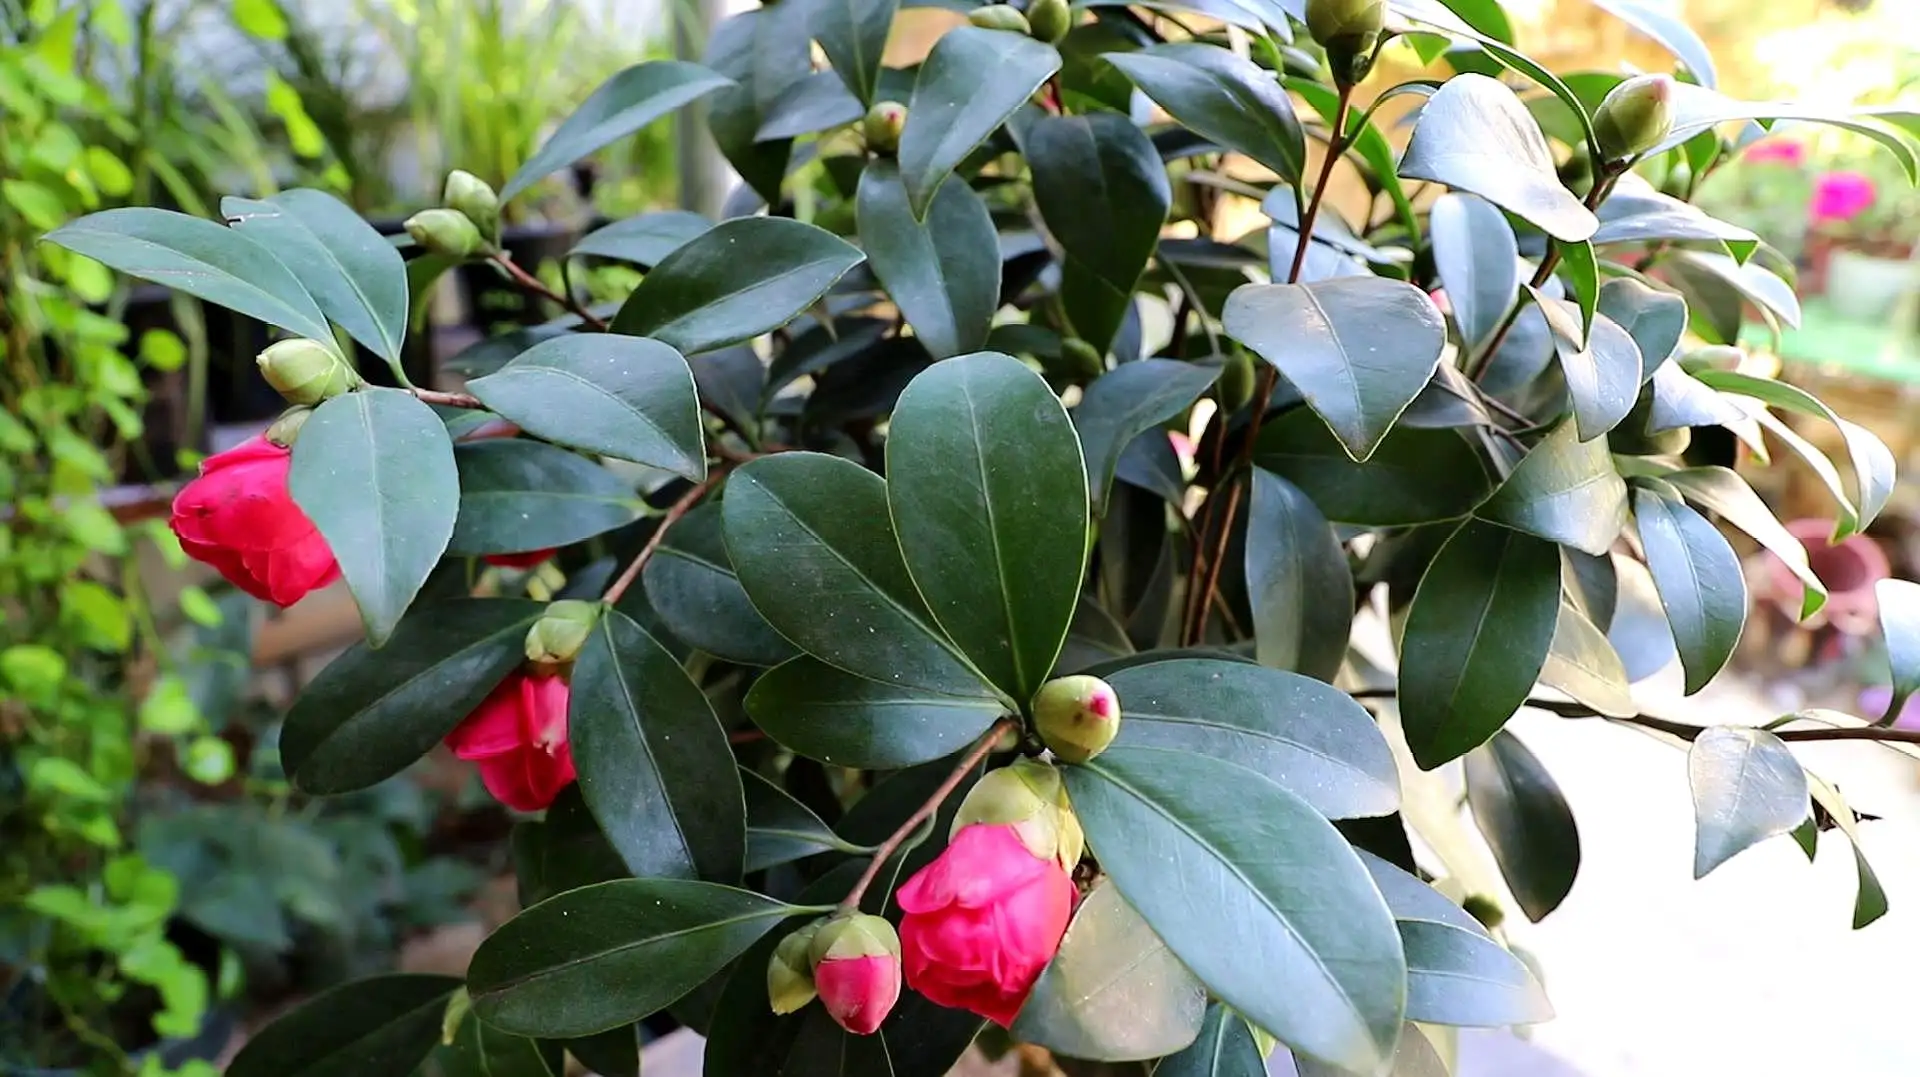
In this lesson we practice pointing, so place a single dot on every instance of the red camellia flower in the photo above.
(982, 920)
(858, 992)
(517, 560)
(518, 736)
(239, 518)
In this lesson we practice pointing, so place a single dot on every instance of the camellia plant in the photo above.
(944, 570)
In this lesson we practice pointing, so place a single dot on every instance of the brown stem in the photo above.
(451, 400)
(1688, 731)
(674, 512)
(885, 850)
(746, 736)
(1336, 145)
(539, 287)
(1602, 187)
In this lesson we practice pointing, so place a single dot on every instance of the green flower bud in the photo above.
(853, 934)
(882, 127)
(1082, 358)
(1029, 796)
(306, 371)
(790, 970)
(999, 17)
(473, 196)
(1348, 30)
(561, 631)
(1634, 116)
(1049, 20)
(1484, 909)
(1235, 388)
(287, 427)
(1076, 716)
(446, 232)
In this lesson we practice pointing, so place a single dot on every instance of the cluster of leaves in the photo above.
(853, 486)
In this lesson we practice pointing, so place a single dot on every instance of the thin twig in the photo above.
(539, 287)
(450, 400)
(1686, 730)
(884, 851)
(1601, 188)
(674, 512)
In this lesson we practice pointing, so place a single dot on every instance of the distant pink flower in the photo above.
(1779, 151)
(1840, 196)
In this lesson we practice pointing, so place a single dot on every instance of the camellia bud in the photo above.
(1484, 909)
(1049, 20)
(287, 427)
(1029, 796)
(1348, 30)
(306, 371)
(882, 127)
(1082, 358)
(1076, 716)
(1235, 387)
(561, 631)
(856, 970)
(447, 232)
(790, 971)
(473, 196)
(1000, 17)
(1634, 116)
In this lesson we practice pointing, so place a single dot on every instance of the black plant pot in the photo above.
(494, 303)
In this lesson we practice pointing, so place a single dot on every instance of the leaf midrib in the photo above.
(779, 912)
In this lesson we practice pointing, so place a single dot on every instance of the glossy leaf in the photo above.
(1113, 992)
(1224, 98)
(1753, 282)
(1870, 900)
(1103, 193)
(523, 495)
(780, 829)
(624, 397)
(1413, 1056)
(1306, 737)
(1873, 464)
(817, 103)
(1639, 631)
(989, 494)
(740, 279)
(609, 954)
(480, 1050)
(813, 543)
(766, 53)
(1358, 349)
(943, 273)
(1127, 401)
(374, 471)
(654, 765)
(355, 276)
(1654, 319)
(643, 240)
(1722, 490)
(1474, 135)
(1696, 109)
(377, 1027)
(1672, 32)
(692, 585)
(1899, 602)
(853, 34)
(1602, 375)
(1475, 640)
(1637, 213)
(1747, 787)
(1581, 663)
(563, 851)
(1224, 1048)
(200, 258)
(371, 713)
(1679, 399)
(839, 718)
(1581, 271)
(1526, 821)
(1284, 892)
(1297, 581)
(620, 106)
(1478, 259)
(1700, 580)
(1413, 477)
(1566, 490)
(967, 87)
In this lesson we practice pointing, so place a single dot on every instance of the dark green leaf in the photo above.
(817, 103)
(1700, 581)
(734, 282)
(1449, 400)
(766, 52)
(691, 584)
(1475, 135)
(1413, 1055)
(371, 713)
(520, 495)
(1113, 992)
(620, 106)
(1722, 490)
(654, 764)
(1368, 144)
(780, 829)
(1654, 319)
(374, 471)
(1669, 30)
(1526, 821)
(642, 240)
(1297, 581)
(1754, 283)
(624, 397)
(1284, 895)
(1637, 213)
(1476, 638)
(833, 716)
(1639, 631)
(563, 851)
(1581, 271)
(813, 543)
(853, 34)
(1899, 602)
(1602, 374)
(1583, 664)
(1103, 193)
(1224, 1048)
(613, 1053)
(943, 273)
(1565, 490)
(1359, 349)
(1225, 98)
(1478, 259)
(1413, 477)
(1873, 464)
(200, 258)
(989, 495)
(969, 84)
(480, 1050)
(609, 954)
(1697, 109)
(378, 1027)
(1308, 738)
(1747, 787)
(1127, 401)
(1680, 400)
(352, 272)
(1870, 901)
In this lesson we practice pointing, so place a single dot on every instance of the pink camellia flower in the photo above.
(527, 559)
(239, 517)
(856, 971)
(1779, 151)
(518, 737)
(982, 921)
(1840, 196)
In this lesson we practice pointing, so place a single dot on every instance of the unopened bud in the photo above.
(1029, 796)
(561, 631)
(1076, 717)
(1484, 909)
(287, 427)
(446, 232)
(1348, 30)
(1049, 20)
(790, 971)
(856, 970)
(306, 371)
(1235, 388)
(1634, 116)
(882, 127)
(999, 17)
(473, 196)
(1083, 359)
